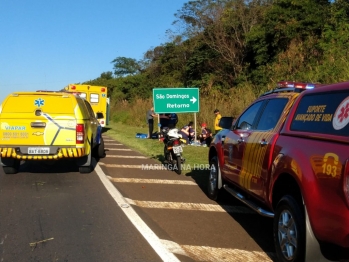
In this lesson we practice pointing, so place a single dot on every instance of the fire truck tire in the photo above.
(212, 185)
(289, 230)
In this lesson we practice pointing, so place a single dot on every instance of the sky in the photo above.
(46, 45)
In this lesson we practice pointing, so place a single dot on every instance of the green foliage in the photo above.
(234, 50)
(121, 117)
(124, 66)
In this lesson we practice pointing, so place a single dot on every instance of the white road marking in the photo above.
(118, 149)
(147, 233)
(213, 254)
(121, 166)
(191, 206)
(108, 140)
(120, 156)
(173, 247)
(164, 248)
(152, 181)
(112, 144)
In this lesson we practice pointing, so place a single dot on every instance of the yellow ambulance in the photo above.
(97, 96)
(48, 125)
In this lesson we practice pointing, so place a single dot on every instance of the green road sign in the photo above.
(176, 100)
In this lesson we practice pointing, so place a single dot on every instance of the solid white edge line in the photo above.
(147, 233)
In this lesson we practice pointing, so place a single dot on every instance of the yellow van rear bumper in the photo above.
(62, 153)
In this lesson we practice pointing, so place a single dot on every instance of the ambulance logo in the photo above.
(39, 102)
(38, 133)
(341, 116)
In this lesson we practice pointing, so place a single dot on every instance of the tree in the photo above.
(126, 66)
(107, 75)
(223, 26)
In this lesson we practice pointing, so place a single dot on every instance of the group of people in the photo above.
(187, 132)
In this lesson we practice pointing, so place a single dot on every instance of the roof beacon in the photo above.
(291, 84)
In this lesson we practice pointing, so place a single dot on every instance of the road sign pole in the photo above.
(195, 127)
(159, 127)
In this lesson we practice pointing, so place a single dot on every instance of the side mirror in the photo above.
(226, 122)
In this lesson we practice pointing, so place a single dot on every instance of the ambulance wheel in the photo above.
(101, 151)
(85, 169)
(12, 169)
(98, 150)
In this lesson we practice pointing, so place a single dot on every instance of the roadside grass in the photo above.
(196, 157)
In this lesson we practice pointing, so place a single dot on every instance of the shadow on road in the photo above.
(258, 227)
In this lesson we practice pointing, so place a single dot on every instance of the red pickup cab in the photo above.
(287, 157)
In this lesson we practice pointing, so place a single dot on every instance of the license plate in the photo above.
(177, 149)
(38, 150)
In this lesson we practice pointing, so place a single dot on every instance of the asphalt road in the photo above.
(53, 213)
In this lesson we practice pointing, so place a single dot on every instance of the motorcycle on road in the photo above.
(173, 149)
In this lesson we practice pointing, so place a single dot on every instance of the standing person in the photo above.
(206, 135)
(217, 128)
(150, 121)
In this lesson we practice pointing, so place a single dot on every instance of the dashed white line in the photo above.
(118, 149)
(143, 228)
(112, 144)
(120, 156)
(191, 206)
(152, 181)
(213, 254)
(120, 166)
(166, 249)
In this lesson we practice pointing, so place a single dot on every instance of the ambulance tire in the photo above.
(12, 169)
(99, 150)
(87, 168)
(9, 170)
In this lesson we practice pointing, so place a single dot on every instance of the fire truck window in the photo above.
(324, 113)
(271, 114)
(245, 122)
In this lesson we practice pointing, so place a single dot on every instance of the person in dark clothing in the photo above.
(206, 135)
(164, 118)
(150, 121)
(173, 120)
(187, 132)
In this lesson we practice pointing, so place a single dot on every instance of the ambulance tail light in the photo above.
(346, 182)
(73, 87)
(103, 89)
(80, 133)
